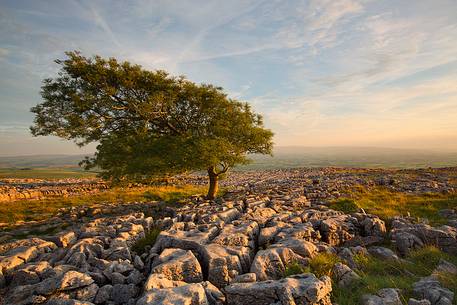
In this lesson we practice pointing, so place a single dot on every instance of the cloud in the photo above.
(4, 53)
(98, 19)
(323, 72)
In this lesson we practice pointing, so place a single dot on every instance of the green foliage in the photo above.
(171, 194)
(345, 205)
(34, 210)
(295, 268)
(322, 264)
(402, 274)
(147, 123)
(149, 240)
(386, 203)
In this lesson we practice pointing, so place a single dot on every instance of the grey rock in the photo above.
(213, 294)
(178, 265)
(87, 293)
(382, 253)
(74, 279)
(429, 288)
(344, 275)
(103, 294)
(299, 289)
(135, 277)
(122, 294)
(245, 278)
(191, 294)
(386, 296)
(64, 239)
(138, 263)
(299, 246)
(445, 267)
(115, 277)
(160, 281)
(412, 301)
(270, 264)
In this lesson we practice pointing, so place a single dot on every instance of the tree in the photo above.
(147, 123)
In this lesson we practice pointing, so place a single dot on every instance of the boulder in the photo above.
(64, 239)
(160, 281)
(222, 264)
(430, 289)
(299, 246)
(336, 230)
(178, 265)
(407, 236)
(386, 296)
(445, 267)
(270, 264)
(87, 293)
(245, 278)
(239, 234)
(103, 294)
(303, 289)
(344, 275)
(74, 279)
(123, 294)
(191, 294)
(382, 253)
(213, 294)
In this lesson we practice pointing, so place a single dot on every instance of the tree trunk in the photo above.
(213, 183)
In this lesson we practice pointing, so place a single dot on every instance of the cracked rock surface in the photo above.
(234, 251)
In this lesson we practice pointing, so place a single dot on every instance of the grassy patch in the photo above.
(33, 210)
(173, 193)
(386, 204)
(149, 240)
(345, 205)
(377, 274)
(322, 264)
(295, 268)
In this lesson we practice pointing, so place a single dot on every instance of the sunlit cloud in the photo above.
(323, 73)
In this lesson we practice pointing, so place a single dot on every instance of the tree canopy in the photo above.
(147, 123)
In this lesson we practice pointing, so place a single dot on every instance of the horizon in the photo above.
(279, 149)
(344, 73)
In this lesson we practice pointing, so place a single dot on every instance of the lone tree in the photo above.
(147, 123)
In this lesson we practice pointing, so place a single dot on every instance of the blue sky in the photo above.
(323, 73)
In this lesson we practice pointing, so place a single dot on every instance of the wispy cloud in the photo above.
(100, 21)
(323, 72)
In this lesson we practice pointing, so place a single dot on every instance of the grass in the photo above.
(49, 173)
(33, 210)
(140, 246)
(386, 204)
(295, 268)
(322, 264)
(402, 274)
(376, 274)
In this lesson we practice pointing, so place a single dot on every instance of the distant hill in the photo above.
(35, 161)
(287, 157)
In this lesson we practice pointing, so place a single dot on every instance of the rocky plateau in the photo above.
(234, 250)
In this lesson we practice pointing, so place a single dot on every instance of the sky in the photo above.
(322, 72)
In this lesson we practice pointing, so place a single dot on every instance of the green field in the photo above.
(66, 166)
(387, 204)
(34, 210)
(47, 173)
(357, 157)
